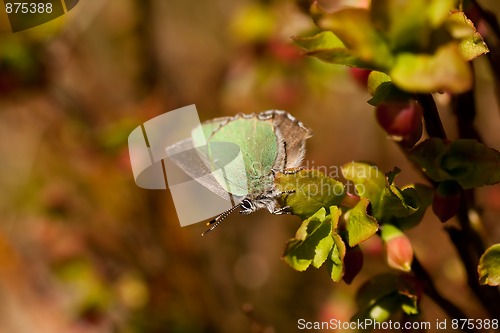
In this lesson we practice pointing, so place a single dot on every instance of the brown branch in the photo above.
(430, 290)
(432, 121)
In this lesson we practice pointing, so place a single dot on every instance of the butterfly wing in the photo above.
(188, 159)
(258, 146)
(293, 134)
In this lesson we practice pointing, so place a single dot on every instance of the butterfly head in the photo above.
(247, 207)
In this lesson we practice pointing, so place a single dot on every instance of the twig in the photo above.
(464, 107)
(488, 296)
(492, 41)
(433, 123)
(430, 289)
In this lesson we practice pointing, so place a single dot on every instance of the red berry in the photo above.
(402, 120)
(286, 52)
(353, 262)
(360, 75)
(446, 200)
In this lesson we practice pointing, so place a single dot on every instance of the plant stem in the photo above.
(430, 289)
(433, 123)
(492, 41)
(467, 242)
(464, 107)
(488, 296)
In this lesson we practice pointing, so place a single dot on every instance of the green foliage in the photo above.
(359, 225)
(322, 240)
(388, 202)
(336, 263)
(444, 70)
(312, 191)
(411, 47)
(489, 266)
(471, 43)
(417, 43)
(328, 48)
(468, 162)
(382, 89)
(317, 241)
(385, 295)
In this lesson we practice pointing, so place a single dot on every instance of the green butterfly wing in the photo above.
(259, 148)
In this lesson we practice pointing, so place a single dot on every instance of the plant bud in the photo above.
(401, 120)
(353, 262)
(398, 248)
(360, 76)
(446, 200)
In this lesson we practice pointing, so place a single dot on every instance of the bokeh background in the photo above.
(83, 249)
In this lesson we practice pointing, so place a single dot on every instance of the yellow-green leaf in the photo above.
(445, 70)
(489, 266)
(313, 190)
(471, 43)
(360, 226)
(354, 27)
(312, 243)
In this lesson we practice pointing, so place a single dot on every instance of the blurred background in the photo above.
(83, 249)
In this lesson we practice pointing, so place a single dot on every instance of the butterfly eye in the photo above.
(246, 204)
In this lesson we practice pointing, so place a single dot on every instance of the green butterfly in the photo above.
(266, 143)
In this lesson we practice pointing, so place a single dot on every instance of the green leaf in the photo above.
(313, 190)
(335, 262)
(385, 295)
(360, 226)
(397, 203)
(386, 199)
(354, 27)
(489, 266)
(339, 57)
(375, 79)
(376, 288)
(469, 162)
(312, 243)
(325, 40)
(428, 155)
(328, 48)
(420, 197)
(388, 92)
(445, 70)
(439, 10)
(404, 22)
(471, 44)
(368, 180)
(335, 265)
(381, 310)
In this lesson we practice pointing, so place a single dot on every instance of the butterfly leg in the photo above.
(287, 171)
(283, 210)
(284, 192)
(292, 171)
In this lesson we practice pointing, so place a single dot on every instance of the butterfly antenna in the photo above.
(216, 221)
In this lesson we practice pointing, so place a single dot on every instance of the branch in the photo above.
(433, 123)
(464, 108)
(488, 296)
(430, 289)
